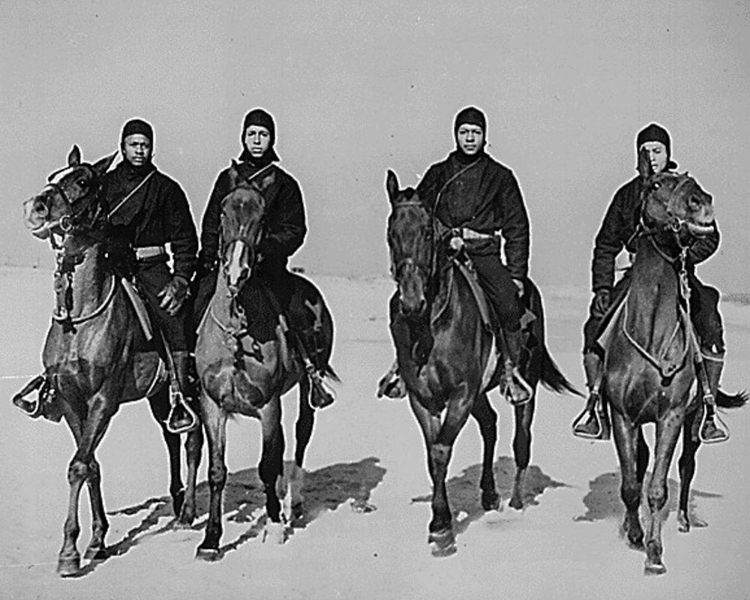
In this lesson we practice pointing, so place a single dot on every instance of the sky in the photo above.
(358, 88)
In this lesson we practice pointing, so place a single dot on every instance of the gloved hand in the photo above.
(519, 285)
(174, 294)
(602, 301)
(456, 244)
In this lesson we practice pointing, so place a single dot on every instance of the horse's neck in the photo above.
(654, 290)
(87, 283)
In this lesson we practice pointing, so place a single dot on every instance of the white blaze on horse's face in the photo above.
(237, 269)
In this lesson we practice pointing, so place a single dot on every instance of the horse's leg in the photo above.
(271, 467)
(486, 418)
(214, 421)
(626, 435)
(687, 470)
(193, 452)
(159, 405)
(302, 431)
(522, 448)
(440, 452)
(83, 467)
(667, 431)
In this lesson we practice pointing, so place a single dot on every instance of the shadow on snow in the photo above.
(244, 502)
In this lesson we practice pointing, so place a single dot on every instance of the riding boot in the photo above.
(515, 388)
(711, 432)
(597, 425)
(310, 348)
(182, 416)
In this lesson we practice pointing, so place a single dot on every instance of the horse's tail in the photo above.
(329, 372)
(738, 400)
(553, 379)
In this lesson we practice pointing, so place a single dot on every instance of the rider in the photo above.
(284, 232)
(653, 152)
(147, 211)
(478, 198)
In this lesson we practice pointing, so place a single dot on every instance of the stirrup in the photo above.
(31, 408)
(601, 433)
(719, 425)
(183, 425)
(321, 393)
(523, 383)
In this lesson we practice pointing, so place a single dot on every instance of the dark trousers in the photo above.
(150, 277)
(500, 290)
(704, 313)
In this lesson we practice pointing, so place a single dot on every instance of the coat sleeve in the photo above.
(607, 246)
(183, 239)
(515, 228)
(209, 254)
(286, 226)
(704, 247)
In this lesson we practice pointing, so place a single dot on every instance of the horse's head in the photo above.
(242, 218)
(69, 193)
(674, 202)
(410, 239)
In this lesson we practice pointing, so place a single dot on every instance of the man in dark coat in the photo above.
(653, 152)
(284, 233)
(480, 201)
(148, 211)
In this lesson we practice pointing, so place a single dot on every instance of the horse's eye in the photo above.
(656, 185)
(82, 182)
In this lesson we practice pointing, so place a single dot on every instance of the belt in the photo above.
(469, 234)
(149, 252)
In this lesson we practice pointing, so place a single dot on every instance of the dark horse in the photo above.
(92, 356)
(452, 383)
(245, 365)
(651, 358)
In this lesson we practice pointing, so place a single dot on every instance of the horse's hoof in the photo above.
(274, 534)
(183, 523)
(208, 554)
(516, 502)
(67, 567)
(490, 500)
(442, 543)
(96, 553)
(654, 568)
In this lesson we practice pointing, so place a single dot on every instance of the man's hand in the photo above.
(519, 285)
(602, 301)
(174, 294)
(456, 244)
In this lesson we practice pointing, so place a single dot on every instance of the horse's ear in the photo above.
(74, 157)
(391, 185)
(100, 166)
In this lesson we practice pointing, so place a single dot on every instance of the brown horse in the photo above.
(461, 367)
(245, 366)
(651, 357)
(92, 356)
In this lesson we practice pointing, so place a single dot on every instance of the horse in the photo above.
(461, 366)
(651, 359)
(93, 358)
(243, 370)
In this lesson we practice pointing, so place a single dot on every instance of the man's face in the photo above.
(655, 154)
(136, 149)
(257, 140)
(470, 138)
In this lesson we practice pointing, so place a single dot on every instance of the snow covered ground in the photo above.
(364, 450)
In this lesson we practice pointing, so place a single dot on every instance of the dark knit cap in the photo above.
(260, 117)
(135, 126)
(471, 116)
(655, 133)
